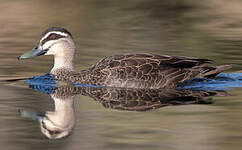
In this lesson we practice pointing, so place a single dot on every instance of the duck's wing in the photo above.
(143, 58)
(149, 71)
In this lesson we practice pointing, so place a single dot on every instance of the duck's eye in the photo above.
(52, 37)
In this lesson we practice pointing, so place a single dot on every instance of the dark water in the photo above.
(207, 29)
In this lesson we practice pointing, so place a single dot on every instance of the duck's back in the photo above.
(147, 71)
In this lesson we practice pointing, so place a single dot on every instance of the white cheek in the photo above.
(49, 52)
(50, 46)
(56, 48)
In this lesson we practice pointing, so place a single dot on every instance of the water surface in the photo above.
(208, 29)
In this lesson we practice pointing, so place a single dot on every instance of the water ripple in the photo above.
(223, 81)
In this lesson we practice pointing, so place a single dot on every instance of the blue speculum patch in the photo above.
(47, 84)
(44, 83)
(224, 81)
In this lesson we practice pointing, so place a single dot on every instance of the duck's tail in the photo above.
(215, 70)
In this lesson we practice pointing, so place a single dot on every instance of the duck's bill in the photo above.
(30, 115)
(37, 51)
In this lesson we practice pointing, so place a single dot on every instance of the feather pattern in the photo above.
(142, 70)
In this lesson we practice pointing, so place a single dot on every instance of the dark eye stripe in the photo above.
(50, 37)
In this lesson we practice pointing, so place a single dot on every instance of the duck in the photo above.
(130, 70)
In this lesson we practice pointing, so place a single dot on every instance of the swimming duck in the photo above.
(138, 70)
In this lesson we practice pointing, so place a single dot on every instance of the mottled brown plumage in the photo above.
(144, 71)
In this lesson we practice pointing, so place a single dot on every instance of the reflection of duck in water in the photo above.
(145, 71)
(140, 99)
(59, 124)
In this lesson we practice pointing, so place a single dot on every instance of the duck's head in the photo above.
(55, 41)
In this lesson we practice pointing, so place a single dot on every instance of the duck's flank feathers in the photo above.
(142, 71)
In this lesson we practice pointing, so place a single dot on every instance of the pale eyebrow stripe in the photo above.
(58, 36)
(56, 32)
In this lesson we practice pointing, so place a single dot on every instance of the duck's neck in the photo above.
(65, 56)
(63, 62)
